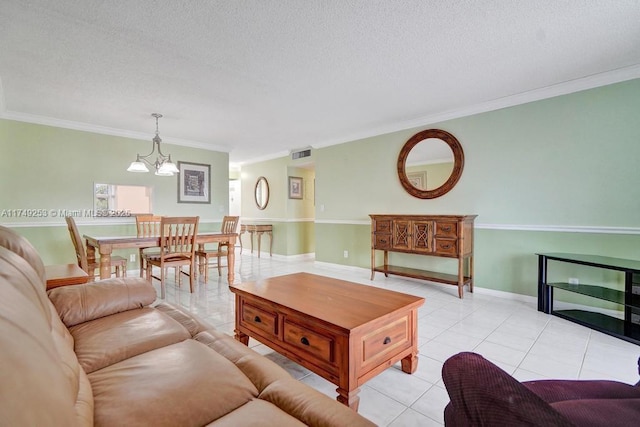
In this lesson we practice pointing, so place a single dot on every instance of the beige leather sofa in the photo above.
(107, 353)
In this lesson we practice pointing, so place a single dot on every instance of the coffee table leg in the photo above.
(243, 338)
(349, 398)
(410, 363)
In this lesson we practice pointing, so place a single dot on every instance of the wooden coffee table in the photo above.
(343, 331)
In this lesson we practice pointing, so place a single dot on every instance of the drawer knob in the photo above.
(447, 246)
(387, 340)
(304, 340)
(257, 319)
(446, 228)
(383, 240)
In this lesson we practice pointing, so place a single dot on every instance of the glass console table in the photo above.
(628, 326)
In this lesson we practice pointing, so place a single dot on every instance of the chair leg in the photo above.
(219, 267)
(124, 269)
(206, 269)
(162, 274)
(192, 273)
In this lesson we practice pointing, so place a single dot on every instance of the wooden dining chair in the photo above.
(177, 249)
(147, 225)
(118, 262)
(229, 225)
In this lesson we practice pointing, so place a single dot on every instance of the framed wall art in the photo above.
(194, 183)
(295, 187)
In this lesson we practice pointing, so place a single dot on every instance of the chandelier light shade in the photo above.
(163, 164)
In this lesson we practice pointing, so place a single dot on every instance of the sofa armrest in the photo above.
(483, 394)
(80, 303)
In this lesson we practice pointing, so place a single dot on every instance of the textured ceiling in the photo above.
(257, 78)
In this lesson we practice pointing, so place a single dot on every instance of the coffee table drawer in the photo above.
(391, 337)
(259, 319)
(304, 338)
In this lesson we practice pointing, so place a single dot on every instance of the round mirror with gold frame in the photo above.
(261, 193)
(430, 163)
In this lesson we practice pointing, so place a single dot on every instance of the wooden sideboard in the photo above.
(449, 236)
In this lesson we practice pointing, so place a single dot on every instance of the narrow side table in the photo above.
(64, 274)
(258, 230)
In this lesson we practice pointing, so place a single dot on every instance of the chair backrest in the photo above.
(148, 225)
(229, 224)
(81, 253)
(177, 236)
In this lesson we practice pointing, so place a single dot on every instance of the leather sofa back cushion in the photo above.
(82, 303)
(34, 374)
(111, 339)
(18, 244)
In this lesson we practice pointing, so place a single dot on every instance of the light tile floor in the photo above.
(513, 334)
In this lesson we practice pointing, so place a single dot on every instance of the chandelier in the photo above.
(163, 164)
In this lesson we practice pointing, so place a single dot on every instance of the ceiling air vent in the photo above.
(300, 154)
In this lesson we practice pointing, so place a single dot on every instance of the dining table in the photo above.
(105, 246)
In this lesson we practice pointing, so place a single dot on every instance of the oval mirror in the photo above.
(261, 193)
(430, 163)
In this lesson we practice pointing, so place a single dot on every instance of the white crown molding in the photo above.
(576, 85)
(103, 130)
(565, 88)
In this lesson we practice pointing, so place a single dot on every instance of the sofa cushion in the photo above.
(310, 406)
(81, 303)
(22, 278)
(22, 247)
(185, 384)
(33, 373)
(254, 414)
(108, 340)
(260, 370)
(193, 324)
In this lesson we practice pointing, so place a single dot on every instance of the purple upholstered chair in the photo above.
(484, 395)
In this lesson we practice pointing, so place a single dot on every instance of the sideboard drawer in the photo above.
(447, 247)
(304, 338)
(383, 226)
(259, 319)
(446, 229)
(391, 337)
(383, 241)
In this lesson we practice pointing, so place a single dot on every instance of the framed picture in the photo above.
(295, 187)
(418, 179)
(194, 183)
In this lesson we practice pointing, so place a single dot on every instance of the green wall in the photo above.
(292, 219)
(51, 169)
(556, 175)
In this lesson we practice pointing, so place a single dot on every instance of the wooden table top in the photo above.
(344, 304)
(64, 274)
